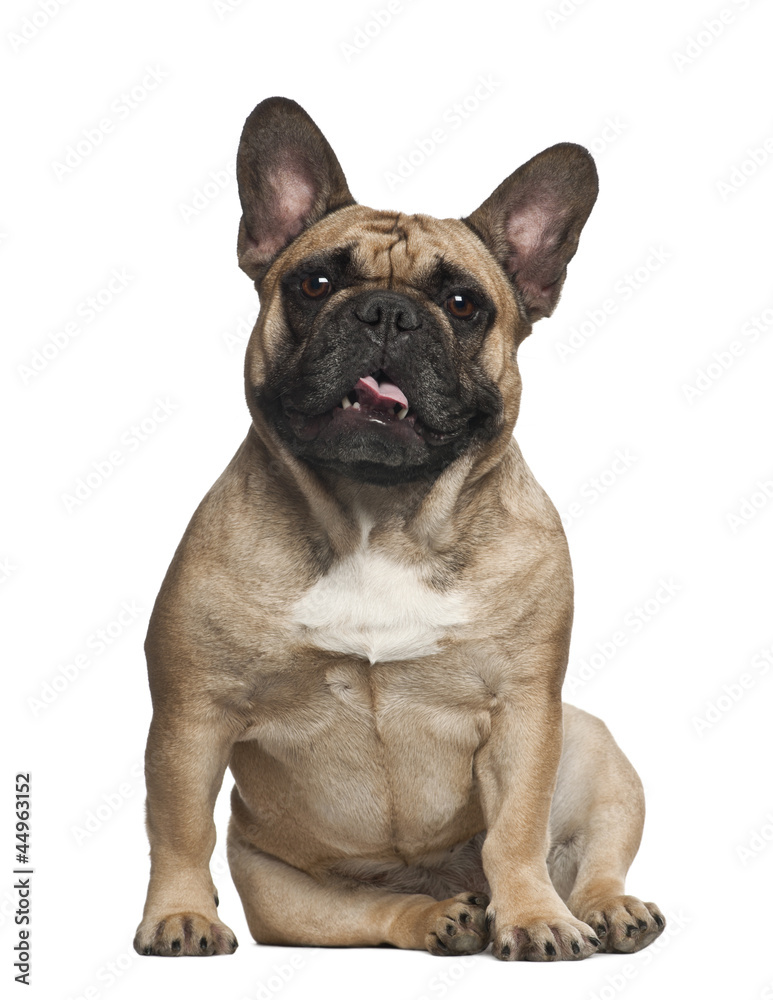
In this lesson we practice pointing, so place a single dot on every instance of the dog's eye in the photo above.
(460, 306)
(315, 286)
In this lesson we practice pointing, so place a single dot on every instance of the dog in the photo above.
(368, 617)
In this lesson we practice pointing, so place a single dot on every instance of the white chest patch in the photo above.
(371, 606)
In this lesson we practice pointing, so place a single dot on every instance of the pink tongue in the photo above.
(381, 395)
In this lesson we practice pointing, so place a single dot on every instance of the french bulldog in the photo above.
(368, 617)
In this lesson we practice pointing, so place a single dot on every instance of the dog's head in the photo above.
(386, 343)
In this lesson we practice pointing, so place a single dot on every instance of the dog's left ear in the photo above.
(532, 222)
(289, 178)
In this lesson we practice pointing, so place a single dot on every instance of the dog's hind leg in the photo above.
(596, 823)
(287, 906)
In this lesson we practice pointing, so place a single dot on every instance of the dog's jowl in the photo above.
(368, 617)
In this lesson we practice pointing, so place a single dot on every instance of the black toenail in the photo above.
(658, 920)
(575, 948)
(146, 950)
(550, 948)
(601, 930)
(175, 945)
(629, 929)
(203, 943)
(594, 940)
(464, 918)
(234, 944)
(489, 920)
(505, 952)
(450, 930)
(642, 925)
(217, 900)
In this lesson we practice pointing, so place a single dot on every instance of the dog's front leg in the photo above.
(185, 760)
(516, 770)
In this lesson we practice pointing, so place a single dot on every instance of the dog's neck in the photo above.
(426, 511)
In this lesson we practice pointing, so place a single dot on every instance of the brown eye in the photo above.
(460, 306)
(316, 286)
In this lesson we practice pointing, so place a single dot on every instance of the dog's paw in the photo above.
(624, 923)
(184, 934)
(551, 940)
(458, 926)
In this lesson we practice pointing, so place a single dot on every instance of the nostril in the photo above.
(388, 311)
(405, 321)
(371, 314)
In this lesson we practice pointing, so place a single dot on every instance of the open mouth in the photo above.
(374, 404)
(380, 401)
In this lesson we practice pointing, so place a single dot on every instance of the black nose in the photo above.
(387, 312)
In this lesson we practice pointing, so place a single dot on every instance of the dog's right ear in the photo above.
(289, 178)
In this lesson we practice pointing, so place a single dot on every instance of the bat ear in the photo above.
(289, 178)
(532, 222)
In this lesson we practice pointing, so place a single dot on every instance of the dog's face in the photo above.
(386, 343)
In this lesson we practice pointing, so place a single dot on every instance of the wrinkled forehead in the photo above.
(400, 251)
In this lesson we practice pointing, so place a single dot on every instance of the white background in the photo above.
(667, 132)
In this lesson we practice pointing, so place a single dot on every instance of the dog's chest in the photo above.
(372, 606)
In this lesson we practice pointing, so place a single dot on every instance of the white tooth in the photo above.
(345, 404)
(355, 406)
(402, 413)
